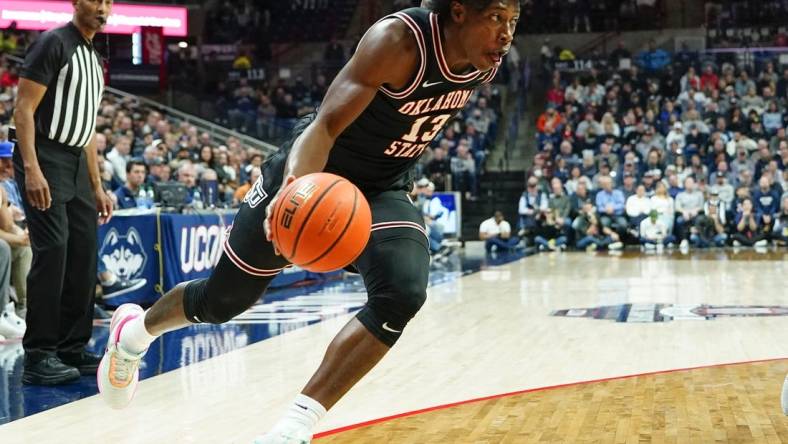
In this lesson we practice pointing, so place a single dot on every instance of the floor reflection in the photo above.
(283, 310)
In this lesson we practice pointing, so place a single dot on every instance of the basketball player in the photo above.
(411, 73)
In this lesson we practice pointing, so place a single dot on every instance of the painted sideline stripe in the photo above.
(520, 392)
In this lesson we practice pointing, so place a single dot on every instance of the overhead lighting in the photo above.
(183, 45)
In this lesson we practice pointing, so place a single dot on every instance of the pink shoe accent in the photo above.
(121, 324)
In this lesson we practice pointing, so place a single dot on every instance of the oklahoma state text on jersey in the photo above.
(378, 150)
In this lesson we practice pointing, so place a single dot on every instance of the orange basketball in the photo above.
(321, 222)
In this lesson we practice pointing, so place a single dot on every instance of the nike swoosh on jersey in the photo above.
(387, 328)
(427, 84)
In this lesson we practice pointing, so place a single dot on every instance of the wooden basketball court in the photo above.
(561, 347)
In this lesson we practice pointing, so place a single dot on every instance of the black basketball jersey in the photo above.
(378, 150)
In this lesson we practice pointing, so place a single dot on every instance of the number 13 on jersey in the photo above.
(416, 140)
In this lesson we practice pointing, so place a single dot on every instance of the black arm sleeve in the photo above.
(44, 59)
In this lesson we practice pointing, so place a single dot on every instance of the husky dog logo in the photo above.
(125, 258)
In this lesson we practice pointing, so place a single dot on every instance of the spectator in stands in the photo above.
(618, 54)
(463, 169)
(653, 232)
(663, 203)
(187, 175)
(638, 207)
(653, 59)
(610, 203)
(689, 204)
(579, 11)
(435, 215)
(241, 191)
(12, 219)
(119, 156)
(11, 326)
(723, 189)
(606, 156)
(550, 120)
(710, 229)
(555, 231)
(497, 234)
(748, 231)
(532, 206)
(129, 194)
(780, 231)
(709, 79)
(767, 204)
(591, 234)
(438, 169)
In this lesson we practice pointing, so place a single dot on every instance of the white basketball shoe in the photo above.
(119, 371)
(290, 434)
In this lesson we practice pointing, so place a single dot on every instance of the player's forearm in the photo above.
(310, 152)
(26, 137)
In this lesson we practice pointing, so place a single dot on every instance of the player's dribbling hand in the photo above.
(269, 210)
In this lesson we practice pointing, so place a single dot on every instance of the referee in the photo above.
(57, 172)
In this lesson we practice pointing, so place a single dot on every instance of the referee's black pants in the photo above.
(62, 281)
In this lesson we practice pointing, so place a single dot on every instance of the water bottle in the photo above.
(211, 201)
(140, 199)
(150, 198)
(197, 199)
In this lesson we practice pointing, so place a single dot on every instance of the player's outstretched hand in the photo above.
(269, 210)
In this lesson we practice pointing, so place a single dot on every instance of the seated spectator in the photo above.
(11, 326)
(710, 228)
(748, 231)
(555, 230)
(497, 234)
(652, 232)
(767, 204)
(241, 191)
(187, 175)
(638, 207)
(531, 207)
(438, 169)
(780, 231)
(434, 214)
(129, 194)
(663, 204)
(9, 183)
(118, 157)
(463, 169)
(21, 258)
(689, 204)
(610, 203)
(591, 235)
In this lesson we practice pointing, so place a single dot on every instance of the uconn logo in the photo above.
(201, 247)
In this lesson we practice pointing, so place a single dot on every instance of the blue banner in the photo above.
(127, 250)
(192, 245)
(152, 253)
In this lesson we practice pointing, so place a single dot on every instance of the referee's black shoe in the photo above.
(49, 371)
(86, 363)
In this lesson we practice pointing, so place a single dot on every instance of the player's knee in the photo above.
(412, 297)
(386, 315)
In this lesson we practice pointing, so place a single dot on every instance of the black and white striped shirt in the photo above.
(67, 64)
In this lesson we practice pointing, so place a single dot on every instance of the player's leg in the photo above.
(395, 268)
(244, 271)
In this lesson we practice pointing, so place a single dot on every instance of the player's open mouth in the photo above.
(496, 57)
